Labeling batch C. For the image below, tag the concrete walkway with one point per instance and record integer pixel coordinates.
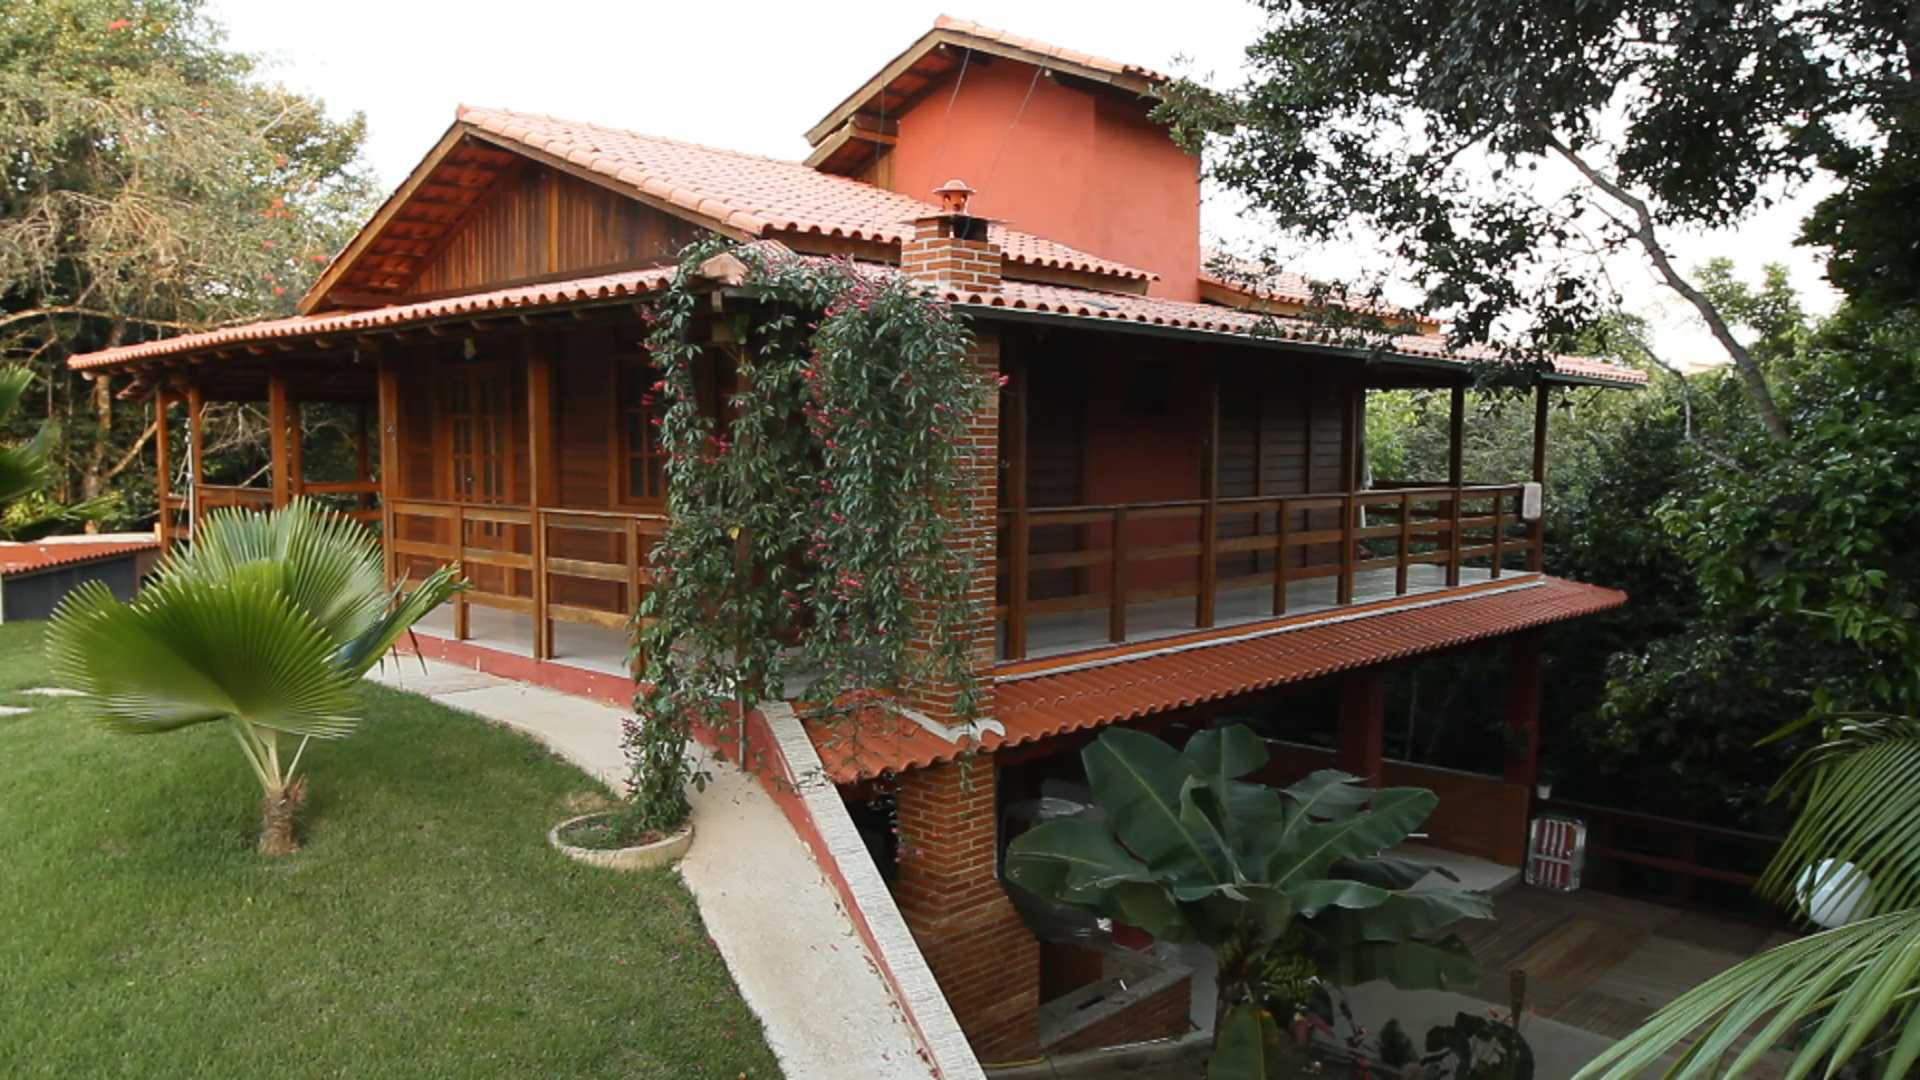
(790, 948)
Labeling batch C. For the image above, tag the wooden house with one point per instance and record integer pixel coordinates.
(1182, 525)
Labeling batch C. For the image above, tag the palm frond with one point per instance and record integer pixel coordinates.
(191, 650)
(360, 654)
(328, 564)
(1859, 791)
(1826, 994)
(23, 468)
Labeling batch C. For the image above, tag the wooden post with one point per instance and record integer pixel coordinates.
(388, 405)
(1363, 724)
(1537, 528)
(162, 466)
(1020, 530)
(1454, 540)
(1526, 668)
(1500, 498)
(1457, 438)
(277, 437)
(1117, 574)
(541, 477)
(363, 457)
(296, 449)
(196, 455)
(1210, 513)
(1343, 592)
(1406, 545)
(1280, 559)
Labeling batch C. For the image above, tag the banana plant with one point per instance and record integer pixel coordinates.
(1181, 845)
(265, 624)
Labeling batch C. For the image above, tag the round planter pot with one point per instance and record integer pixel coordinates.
(662, 852)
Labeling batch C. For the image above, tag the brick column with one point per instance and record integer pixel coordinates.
(979, 534)
(951, 253)
(980, 952)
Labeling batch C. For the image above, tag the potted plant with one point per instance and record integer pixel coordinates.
(653, 825)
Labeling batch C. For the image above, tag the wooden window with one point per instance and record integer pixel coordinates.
(643, 461)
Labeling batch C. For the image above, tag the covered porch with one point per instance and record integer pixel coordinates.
(1151, 488)
(520, 448)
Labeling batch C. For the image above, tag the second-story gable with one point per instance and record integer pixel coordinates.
(1054, 142)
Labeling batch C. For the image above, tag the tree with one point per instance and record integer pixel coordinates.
(1181, 846)
(150, 182)
(265, 624)
(1847, 994)
(1499, 149)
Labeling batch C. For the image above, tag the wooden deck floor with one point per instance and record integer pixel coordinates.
(1603, 963)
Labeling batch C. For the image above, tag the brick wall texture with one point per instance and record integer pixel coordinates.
(980, 952)
(1164, 1015)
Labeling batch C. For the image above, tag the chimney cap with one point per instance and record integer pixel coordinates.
(954, 195)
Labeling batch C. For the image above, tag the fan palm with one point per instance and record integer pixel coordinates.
(1850, 994)
(23, 468)
(264, 624)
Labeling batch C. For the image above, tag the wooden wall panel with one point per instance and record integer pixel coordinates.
(537, 222)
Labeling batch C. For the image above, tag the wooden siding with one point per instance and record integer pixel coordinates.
(537, 222)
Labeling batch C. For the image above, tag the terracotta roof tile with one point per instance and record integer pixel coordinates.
(1070, 56)
(578, 290)
(1050, 703)
(22, 558)
(1089, 303)
(757, 194)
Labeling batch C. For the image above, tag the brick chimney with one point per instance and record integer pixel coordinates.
(949, 250)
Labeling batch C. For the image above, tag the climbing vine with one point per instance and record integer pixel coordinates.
(812, 531)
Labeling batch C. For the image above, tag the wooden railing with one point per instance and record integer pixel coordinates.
(554, 565)
(1685, 851)
(1299, 537)
(354, 498)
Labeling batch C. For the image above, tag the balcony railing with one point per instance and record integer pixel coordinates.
(586, 567)
(1134, 566)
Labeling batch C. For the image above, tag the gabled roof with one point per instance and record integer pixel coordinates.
(738, 194)
(1084, 697)
(938, 52)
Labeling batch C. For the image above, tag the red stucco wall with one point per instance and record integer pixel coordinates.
(1087, 169)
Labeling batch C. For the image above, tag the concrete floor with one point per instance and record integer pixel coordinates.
(775, 919)
(589, 647)
(1052, 635)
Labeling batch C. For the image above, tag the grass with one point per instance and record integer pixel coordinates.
(425, 930)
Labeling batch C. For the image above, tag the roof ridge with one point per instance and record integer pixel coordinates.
(633, 133)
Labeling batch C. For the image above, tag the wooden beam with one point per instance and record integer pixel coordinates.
(163, 464)
(277, 437)
(542, 482)
(362, 454)
(374, 227)
(1540, 434)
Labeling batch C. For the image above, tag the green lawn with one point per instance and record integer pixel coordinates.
(425, 930)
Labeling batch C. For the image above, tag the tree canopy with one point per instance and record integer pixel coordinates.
(1499, 149)
(153, 182)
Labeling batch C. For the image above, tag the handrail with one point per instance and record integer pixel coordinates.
(528, 533)
(1417, 525)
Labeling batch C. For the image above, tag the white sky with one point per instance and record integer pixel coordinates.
(752, 75)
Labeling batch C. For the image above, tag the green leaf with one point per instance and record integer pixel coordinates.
(1073, 859)
(1138, 781)
(1310, 848)
(1227, 753)
(1247, 1046)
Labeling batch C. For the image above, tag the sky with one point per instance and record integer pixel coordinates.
(752, 75)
